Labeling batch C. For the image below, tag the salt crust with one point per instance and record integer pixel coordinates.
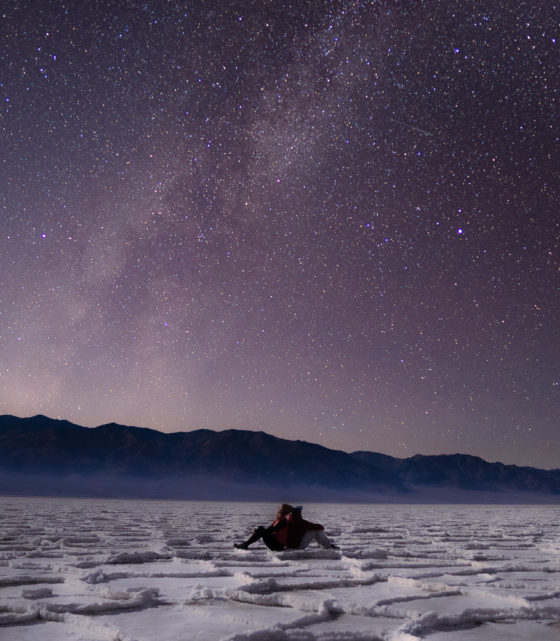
(110, 570)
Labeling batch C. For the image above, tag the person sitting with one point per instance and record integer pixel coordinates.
(289, 531)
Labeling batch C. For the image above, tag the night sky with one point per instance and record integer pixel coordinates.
(332, 221)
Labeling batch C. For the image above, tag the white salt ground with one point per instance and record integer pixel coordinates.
(110, 570)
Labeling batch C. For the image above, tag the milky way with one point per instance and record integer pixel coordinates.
(334, 221)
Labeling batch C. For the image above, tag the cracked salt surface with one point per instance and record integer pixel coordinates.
(112, 570)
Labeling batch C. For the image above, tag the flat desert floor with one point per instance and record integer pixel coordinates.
(112, 570)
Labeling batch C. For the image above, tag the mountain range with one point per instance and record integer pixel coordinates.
(44, 456)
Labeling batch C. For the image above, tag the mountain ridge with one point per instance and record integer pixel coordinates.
(55, 456)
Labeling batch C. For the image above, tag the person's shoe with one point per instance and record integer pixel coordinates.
(334, 547)
(241, 546)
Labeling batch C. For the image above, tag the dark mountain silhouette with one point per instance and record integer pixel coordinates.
(39, 455)
(464, 472)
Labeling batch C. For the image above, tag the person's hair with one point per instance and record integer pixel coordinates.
(284, 509)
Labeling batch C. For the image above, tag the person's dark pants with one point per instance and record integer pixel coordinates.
(268, 538)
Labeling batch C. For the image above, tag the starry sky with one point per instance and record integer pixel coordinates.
(333, 221)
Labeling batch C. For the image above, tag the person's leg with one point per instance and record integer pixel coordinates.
(258, 534)
(306, 539)
(271, 542)
(315, 535)
(323, 539)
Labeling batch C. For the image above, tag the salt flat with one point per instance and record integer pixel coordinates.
(111, 570)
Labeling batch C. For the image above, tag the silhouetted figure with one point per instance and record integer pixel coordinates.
(290, 531)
